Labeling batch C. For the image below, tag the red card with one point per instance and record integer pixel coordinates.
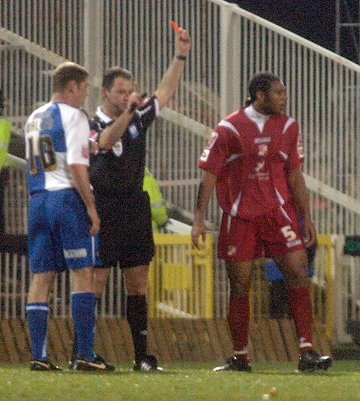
(175, 26)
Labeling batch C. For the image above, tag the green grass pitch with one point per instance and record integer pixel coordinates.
(183, 382)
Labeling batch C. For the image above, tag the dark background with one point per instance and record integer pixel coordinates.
(314, 20)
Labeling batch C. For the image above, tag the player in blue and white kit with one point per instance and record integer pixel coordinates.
(62, 216)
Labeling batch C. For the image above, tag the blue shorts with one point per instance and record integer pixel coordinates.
(59, 236)
(273, 273)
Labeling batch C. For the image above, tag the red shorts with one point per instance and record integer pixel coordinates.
(272, 234)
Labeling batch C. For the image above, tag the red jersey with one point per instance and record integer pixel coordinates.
(251, 162)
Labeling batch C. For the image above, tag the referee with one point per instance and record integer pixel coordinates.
(117, 173)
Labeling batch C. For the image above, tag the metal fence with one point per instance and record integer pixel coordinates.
(180, 283)
(230, 45)
(180, 286)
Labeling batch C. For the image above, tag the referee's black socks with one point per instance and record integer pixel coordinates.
(136, 313)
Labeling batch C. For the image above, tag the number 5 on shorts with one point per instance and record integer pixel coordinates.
(288, 233)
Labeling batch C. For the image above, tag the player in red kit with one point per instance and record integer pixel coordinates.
(254, 158)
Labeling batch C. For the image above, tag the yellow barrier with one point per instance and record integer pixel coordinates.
(181, 282)
(181, 278)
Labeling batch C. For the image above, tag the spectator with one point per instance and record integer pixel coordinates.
(159, 217)
(5, 134)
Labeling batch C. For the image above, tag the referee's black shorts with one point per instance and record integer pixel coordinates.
(125, 231)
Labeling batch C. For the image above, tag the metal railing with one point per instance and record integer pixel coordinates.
(181, 285)
(230, 46)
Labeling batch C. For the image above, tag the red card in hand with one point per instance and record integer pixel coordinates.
(175, 26)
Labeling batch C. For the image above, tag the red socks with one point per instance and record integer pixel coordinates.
(238, 320)
(301, 309)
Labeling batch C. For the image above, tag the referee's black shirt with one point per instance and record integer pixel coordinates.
(120, 171)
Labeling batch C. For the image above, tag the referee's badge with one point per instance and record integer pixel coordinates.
(118, 148)
(134, 133)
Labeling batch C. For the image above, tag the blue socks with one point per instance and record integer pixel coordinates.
(83, 312)
(37, 314)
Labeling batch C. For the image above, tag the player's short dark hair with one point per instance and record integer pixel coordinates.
(66, 72)
(260, 82)
(115, 72)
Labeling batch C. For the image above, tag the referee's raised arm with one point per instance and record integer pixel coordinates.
(171, 78)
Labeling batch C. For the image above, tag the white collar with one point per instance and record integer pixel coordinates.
(103, 116)
(252, 113)
(258, 118)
